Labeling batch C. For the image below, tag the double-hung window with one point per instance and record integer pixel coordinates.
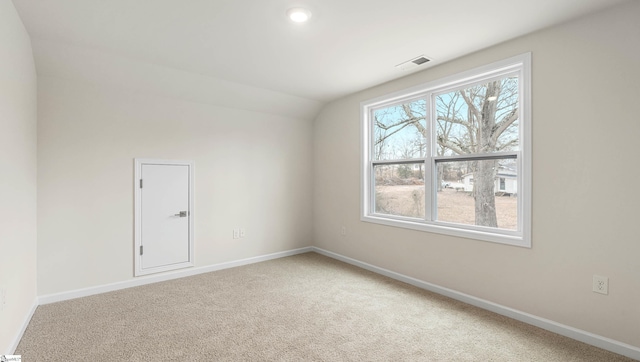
(453, 156)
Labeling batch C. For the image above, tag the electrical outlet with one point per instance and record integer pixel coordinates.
(343, 230)
(600, 284)
(242, 233)
(236, 233)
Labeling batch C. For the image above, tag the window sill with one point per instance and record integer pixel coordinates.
(507, 237)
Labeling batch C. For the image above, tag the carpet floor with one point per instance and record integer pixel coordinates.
(301, 308)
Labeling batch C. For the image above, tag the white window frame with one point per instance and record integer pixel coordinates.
(520, 65)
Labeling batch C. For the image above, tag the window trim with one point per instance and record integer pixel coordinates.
(521, 65)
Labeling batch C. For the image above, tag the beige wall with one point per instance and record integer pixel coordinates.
(251, 170)
(17, 175)
(586, 85)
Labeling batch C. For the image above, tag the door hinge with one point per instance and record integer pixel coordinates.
(141, 251)
(140, 183)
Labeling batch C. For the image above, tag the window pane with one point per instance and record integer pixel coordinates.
(399, 189)
(400, 131)
(480, 193)
(478, 119)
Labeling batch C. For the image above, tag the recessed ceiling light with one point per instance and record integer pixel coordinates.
(298, 15)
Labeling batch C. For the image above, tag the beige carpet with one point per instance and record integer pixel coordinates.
(301, 308)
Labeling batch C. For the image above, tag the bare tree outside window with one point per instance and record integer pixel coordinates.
(481, 119)
(476, 120)
(453, 156)
(399, 183)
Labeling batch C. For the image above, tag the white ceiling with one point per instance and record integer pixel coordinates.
(348, 45)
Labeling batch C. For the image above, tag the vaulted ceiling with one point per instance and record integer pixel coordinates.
(226, 50)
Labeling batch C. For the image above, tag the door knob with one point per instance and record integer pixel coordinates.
(182, 214)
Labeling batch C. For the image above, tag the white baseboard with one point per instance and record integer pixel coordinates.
(138, 281)
(561, 329)
(25, 323)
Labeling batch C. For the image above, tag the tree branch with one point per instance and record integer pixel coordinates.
(470, 104)
(507, 121)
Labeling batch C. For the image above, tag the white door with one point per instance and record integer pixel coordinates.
(163, 215)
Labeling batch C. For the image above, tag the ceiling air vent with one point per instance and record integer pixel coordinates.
(413, 63)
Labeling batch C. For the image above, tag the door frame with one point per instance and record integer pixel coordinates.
(138, 162)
